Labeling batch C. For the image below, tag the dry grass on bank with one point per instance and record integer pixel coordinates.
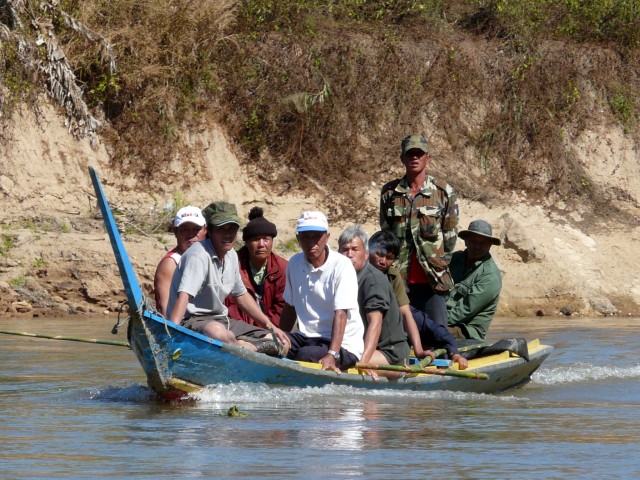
(310, 88)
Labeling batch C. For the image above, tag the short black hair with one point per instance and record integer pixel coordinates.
(384, 241)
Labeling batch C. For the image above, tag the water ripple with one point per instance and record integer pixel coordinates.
(131, 393)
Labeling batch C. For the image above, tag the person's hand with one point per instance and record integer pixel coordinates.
(372, 374)
(328, 362)
(420, 354)
(281, 337)
(463, 363)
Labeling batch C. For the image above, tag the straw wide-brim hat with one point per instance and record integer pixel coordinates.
(482, 228)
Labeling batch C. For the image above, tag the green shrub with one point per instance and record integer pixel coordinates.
(291, 245)
(623, 106)
(591, 20)
(19, 282)
(7, 242)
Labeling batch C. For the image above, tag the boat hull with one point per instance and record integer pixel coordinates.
(178, 361)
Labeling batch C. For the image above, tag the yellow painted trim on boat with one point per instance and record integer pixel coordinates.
(490, 360)
(533, 346)
(313, 365)
(184, 386)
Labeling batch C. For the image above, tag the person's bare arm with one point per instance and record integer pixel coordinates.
(162, 284)
(180, 307)
(371, 338)
(372, 335)
(328, 362)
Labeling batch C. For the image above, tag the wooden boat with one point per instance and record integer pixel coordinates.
(178, 361)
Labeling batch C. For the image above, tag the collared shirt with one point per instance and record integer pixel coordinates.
(205, 277)
(375, 294)
(399, 288)
(258, 275)
(474, 299)
(316, 293)
(426, 225)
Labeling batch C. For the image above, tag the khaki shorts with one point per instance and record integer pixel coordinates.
(237, 327)
(456, 332)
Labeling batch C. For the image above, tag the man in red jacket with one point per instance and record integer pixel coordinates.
(262, 271)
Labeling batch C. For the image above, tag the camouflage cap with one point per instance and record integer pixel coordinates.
(218, 214)
(414, 141)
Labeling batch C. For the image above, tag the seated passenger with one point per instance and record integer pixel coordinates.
(322, 293)
(207, 273)
(474, 298)
(262, 271)
(385, 340)
(188, 227)
(424, 333)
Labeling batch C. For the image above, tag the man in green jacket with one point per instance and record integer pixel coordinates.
(474, 299)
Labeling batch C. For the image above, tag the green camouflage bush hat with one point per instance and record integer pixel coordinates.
(218, 214)
(414, 141)
(482, 228)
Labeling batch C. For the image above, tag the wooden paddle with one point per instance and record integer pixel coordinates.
(71, 339)
(421, 367)
(449, 372)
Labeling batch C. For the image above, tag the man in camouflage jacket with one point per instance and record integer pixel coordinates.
(423, 213)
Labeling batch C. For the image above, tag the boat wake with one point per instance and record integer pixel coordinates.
(273, 395)
(582, 372)
(263, 394)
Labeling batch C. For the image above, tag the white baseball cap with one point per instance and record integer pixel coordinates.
(189, 214)
(312, 221)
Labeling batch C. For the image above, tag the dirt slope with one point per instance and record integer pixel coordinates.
(55, 257)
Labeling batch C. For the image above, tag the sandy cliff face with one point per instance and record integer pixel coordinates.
(55, 257)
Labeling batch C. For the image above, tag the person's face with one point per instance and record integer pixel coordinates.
(477, 246)
(355, 251)
(223, 237)
(313, 244)
(381, 260)
(187, 234)
(415, 160)
(259, 248)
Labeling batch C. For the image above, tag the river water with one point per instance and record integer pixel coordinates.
(83, 410)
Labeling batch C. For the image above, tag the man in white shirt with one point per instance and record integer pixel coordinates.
(321, 293)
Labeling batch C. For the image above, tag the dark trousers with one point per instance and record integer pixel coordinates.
(312, 349)
(432, 334)
(426, 299)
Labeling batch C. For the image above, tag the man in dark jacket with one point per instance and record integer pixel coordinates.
(262, 271)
